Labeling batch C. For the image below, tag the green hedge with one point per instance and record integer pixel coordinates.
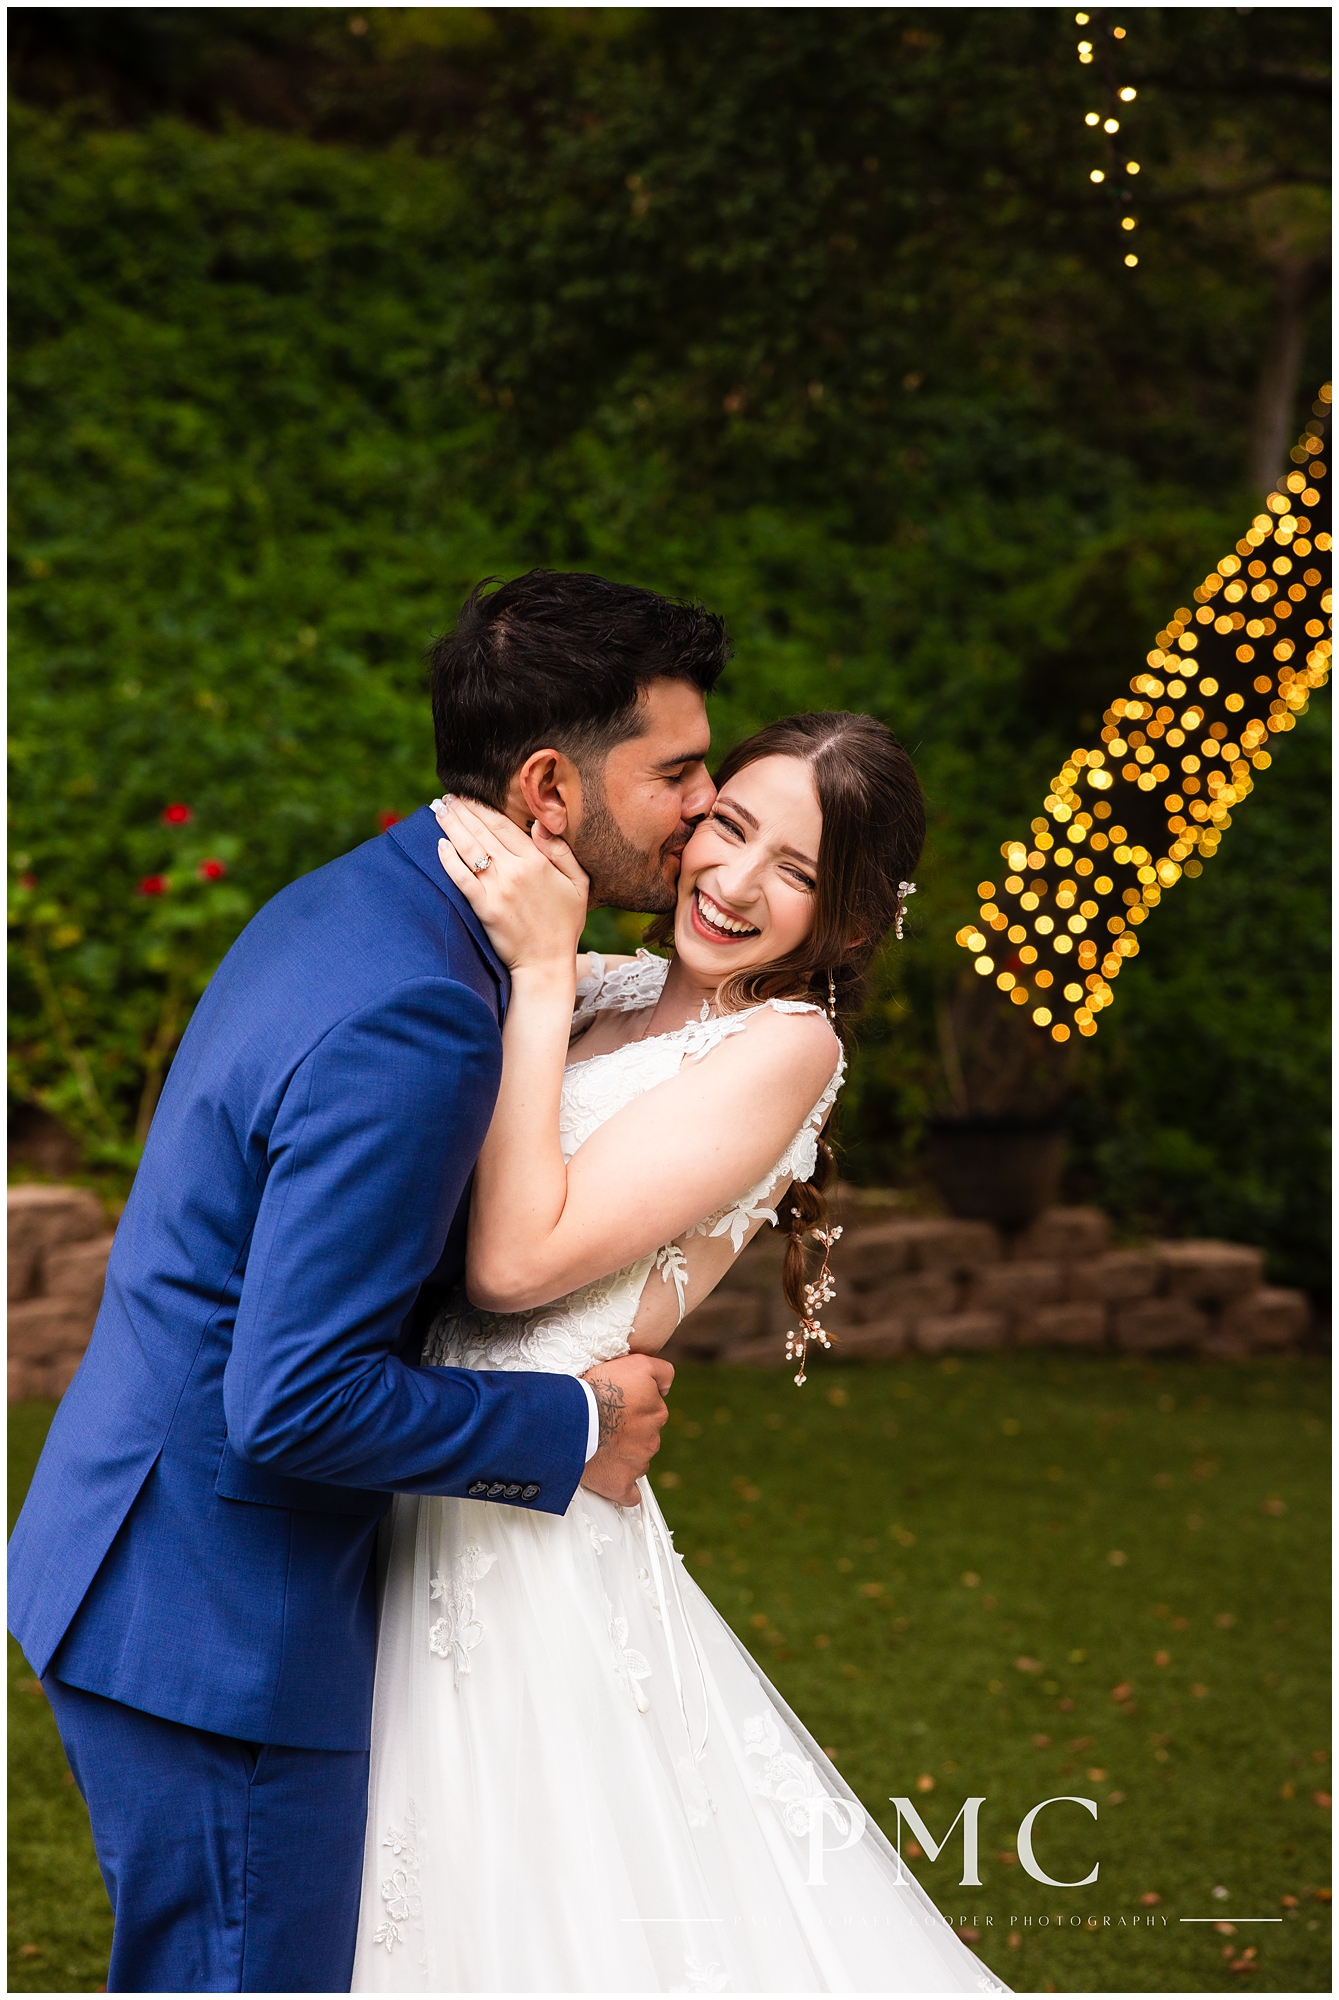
(278, 404)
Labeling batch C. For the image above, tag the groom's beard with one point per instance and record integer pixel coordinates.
(623, 876)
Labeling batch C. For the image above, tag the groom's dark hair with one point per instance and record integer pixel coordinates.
(557, 658)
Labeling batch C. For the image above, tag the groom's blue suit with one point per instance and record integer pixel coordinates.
(194, 1566)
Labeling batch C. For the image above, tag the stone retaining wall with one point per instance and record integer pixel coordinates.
(58, 1248)
(923, 1285)
(932, 1286)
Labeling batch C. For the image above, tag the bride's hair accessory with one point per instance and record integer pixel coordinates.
(817, 1294)
(481, 862)
(832, 997)
(904, 889)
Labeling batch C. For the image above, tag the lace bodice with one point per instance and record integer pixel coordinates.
(593, 1323)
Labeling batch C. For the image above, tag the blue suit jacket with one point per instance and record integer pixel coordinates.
(199, 1538)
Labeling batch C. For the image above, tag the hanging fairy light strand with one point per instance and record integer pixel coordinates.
(1118, 175)
(1127, 819)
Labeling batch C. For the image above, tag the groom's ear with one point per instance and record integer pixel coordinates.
(547, 788)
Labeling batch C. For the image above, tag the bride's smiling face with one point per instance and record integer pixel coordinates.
(746, 888)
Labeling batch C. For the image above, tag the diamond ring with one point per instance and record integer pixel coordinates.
(484, 861)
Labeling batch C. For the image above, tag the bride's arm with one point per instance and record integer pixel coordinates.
(539, 1227)
(677, 1153)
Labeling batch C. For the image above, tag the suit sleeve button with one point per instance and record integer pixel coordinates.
(530, 1492)
(497, 1489)
(513, 1490)
(478, 1490)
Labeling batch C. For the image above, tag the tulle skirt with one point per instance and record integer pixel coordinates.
(581, 1782)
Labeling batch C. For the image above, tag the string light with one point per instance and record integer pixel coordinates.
(1124, 94)
(1125, 820)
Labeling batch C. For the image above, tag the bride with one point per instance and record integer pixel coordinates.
(580, 1780)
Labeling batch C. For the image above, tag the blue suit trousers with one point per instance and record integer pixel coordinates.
(232, 1867)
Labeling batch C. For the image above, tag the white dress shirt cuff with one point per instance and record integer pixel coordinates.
(593, 1431)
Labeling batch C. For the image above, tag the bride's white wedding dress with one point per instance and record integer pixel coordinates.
(581, 1782)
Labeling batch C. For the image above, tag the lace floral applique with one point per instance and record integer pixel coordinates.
(458, 1631)
(400, 1890)
(736, 1220)
(622, 989)
(631, 1668)
(786, 1777)
(644, 1576)
(596, 1538)
(711, 1978)
(698, 1804)
(672, 1263)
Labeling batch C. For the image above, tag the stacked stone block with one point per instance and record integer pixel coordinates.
(58, 1248)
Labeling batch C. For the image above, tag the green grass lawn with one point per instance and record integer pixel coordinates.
(60, 1922)
(950, 1569)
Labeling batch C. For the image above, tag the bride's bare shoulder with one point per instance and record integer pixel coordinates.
(800, 1042)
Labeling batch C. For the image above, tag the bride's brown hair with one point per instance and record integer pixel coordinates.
(873, 832)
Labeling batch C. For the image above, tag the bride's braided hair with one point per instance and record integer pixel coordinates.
(873, 832)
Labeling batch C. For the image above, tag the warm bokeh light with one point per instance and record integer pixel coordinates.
(1094, 865)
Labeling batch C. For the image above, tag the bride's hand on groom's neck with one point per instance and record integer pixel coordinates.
(527, 889)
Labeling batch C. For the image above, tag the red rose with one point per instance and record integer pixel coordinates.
(387, 819)
(177, 815)
(154, 885)
(211, 871)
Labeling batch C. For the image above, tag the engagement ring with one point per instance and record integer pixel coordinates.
(484, 861)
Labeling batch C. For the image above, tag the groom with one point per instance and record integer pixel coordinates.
(193, 1574)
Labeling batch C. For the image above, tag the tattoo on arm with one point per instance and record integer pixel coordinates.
(610, 1403)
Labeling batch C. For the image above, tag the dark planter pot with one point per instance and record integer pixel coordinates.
(1001, 1170)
